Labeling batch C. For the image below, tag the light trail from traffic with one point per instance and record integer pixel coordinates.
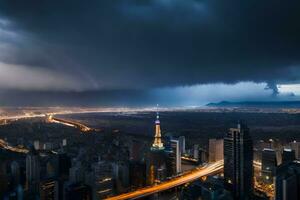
(185, 178)
(70, 123)
(5, 145)
(189, 159)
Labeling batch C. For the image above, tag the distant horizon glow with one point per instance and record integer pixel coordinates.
(292, 89)
(199, 95)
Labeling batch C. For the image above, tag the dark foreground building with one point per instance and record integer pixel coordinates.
(238, 158)
(287, 181)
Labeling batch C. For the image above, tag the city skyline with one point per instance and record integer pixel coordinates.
(149, 100)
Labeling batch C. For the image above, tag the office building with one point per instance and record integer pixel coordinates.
(203, 155)
(269, 163)
(175, 145)
(295, 146)
(215, 150)
(36, 144)
(196, 151)
(238, 159)
(156, 160)
(288, 155)
(104, 179)
(182, 144)
(64, 142)
(287, 181)
(33, 170)
(76, 172)
(15, 173)
(137, 174)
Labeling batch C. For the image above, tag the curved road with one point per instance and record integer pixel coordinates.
(185, 178)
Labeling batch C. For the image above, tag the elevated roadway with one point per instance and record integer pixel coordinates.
(181, 180)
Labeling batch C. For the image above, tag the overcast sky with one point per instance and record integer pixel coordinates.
(133, 52)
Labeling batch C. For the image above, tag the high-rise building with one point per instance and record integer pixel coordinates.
(15, 173)
(196, 151)
(287, 181)
(288, 155)
(137, 174)
(103, 179)
(182, 144)
(156, 160)
(269, 163)
(203, 155)
(36, 144)
(64, 142)
(238, 159)
(216, 150)
(170, 158)
(177, 154)
(157, 144)
(296, 147)
(33, 170)
(76, 172)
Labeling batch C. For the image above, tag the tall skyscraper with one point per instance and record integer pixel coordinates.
(156, 160)
(269, 163)
(196, 151)
(288, 155)
(238, 158)
(15, 173)
(36, 144)
(137, 174)
(216, 147)
(157, 144)
(182, 144)
(33, 170)
(287, 181)
(296, 147)
(103, 179)
(177, 154)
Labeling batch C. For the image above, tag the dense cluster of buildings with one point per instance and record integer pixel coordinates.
(252, 170)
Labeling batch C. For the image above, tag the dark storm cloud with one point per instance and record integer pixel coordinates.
(132, 44)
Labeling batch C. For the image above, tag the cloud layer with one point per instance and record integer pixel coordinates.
(17, 77)
(141, 45)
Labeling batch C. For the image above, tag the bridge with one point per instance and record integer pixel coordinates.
(82, 127)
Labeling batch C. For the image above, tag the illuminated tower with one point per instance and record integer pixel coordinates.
(157, 144)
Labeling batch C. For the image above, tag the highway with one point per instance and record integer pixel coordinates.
(4, 145)
(50, 118)
(82, 127)
(184, 158)
(183, 179)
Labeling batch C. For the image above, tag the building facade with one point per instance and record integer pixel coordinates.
(238, 159)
